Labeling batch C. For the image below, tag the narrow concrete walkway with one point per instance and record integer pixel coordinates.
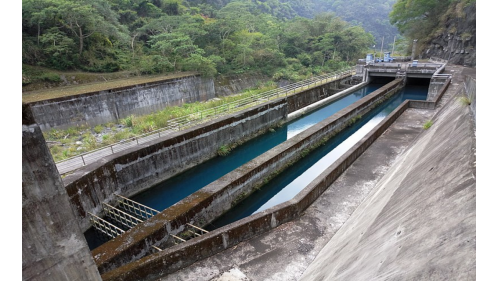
(286, 252)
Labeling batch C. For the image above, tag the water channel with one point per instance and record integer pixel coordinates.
(289, 183)
(173, 190)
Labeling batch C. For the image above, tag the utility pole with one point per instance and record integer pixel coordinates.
(414, 49)
(382, 47)
(393, 44)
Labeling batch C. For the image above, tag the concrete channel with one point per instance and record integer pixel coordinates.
(213, 199)
(186, 253)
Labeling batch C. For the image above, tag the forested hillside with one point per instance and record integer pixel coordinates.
(444, 28)
(161, 36)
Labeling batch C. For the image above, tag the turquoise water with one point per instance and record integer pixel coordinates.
(178, 187)
(173, 190)
(288, 184)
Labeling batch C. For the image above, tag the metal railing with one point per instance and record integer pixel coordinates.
(135, 208)
(183, 122)
(105, 227)
(120, 216)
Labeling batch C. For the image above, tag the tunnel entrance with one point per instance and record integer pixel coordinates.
(418, 81)
(380, 79)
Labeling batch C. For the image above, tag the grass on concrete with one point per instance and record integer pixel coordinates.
(41, 84)
(427, 125)
(76, 140)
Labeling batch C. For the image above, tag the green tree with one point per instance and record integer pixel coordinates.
(176, 46)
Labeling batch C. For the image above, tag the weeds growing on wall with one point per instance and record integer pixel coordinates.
(223, 150)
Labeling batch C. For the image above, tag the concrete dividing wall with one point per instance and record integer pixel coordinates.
(213, 200)
(111, 105)
(136, 169)
(131, 171)
(179, 256)
(299, 101)
(53, 246)
(437, 97)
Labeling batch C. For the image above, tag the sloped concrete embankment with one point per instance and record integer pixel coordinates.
(418, 223)
(218, 197)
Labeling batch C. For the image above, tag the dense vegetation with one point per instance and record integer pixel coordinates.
(426, 19)
(159, 36)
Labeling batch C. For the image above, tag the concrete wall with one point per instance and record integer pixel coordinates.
(419, 221)
(179, 256)
(111, 105)
(470, 92)
(296, 102)
(53, 245)
(230, 85)
(218, 197)
(136, 169)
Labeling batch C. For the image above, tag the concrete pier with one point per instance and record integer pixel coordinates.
(53, 246)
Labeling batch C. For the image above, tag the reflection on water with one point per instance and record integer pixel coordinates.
(173, 190)
(177, 188)
(288, 184)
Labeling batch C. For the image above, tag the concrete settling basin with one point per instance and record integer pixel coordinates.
(283, 161)
(171, 191)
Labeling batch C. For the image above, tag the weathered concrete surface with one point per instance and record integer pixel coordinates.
(285, 252)
(418, 223)
(53, 246)
(232, 84)
(111, 105)
(133, 170)
(213, 200)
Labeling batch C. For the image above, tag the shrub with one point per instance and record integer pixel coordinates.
(223, 150)
(50, 77)
(129, 121)
(427, 125)
(465, 101)
(98, 129)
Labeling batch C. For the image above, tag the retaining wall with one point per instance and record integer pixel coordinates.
(111, 105)
(218, 197)
(179, 256)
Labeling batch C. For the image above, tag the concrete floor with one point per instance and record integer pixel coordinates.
(405, 210)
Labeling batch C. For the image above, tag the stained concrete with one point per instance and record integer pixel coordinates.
(418, 223)
(211, 201)
(430, 213)
(112, 105)
(53, 246)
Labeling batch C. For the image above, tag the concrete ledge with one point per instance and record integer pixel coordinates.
(215, 199)
(294, 115)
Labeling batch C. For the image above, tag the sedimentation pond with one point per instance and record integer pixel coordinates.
(173, 190)
(289, 183)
